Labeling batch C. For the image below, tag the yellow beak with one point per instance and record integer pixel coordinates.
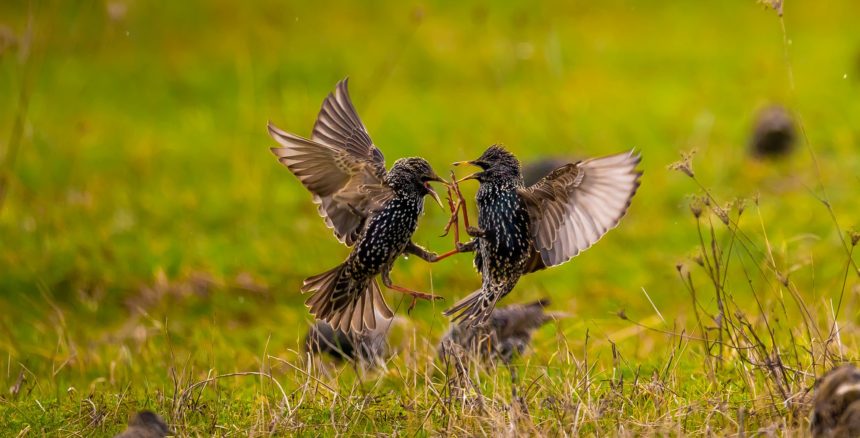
(460, 163)
(433, 192)
(472, 176)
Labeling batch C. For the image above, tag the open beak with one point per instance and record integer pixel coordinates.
(472, 176)
(433, 192)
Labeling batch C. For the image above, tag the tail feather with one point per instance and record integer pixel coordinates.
(344, 304)
(474, 309)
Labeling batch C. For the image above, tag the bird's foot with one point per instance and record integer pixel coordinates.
(461, 201)
(416, 295)
(454, 208)
(453, 222)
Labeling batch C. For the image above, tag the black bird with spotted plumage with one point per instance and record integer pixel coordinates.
(373, 210)
(525, 229)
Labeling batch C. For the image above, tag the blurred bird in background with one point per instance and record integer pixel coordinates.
(369, 349)
(146, 424)
(774, 133)
(836, 404)
(506, 336)
(534, 170)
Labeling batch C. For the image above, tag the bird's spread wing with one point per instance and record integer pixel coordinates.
(339, 165)
(339, 126)
(574, 206)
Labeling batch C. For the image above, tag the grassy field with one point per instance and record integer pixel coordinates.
(150, 242)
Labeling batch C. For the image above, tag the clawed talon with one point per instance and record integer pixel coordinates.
(461, 203)
(455, 211)
(455, 207)
(424, 296)
(416, 295)
(421, 295)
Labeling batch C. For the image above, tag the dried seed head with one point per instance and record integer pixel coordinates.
(696, 206)
(855, 237)
(683, 270)
(685, 164)
(740, 204)
(699, 260)
(621, 314)
(722, 213)
(776, 5)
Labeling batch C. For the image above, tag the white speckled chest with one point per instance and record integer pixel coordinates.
(504, 219)
(386, 235)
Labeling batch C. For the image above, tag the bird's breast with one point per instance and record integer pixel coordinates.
(386, 234)
(505, 221)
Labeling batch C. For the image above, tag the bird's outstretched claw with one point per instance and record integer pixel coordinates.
(416, 295)
(461, 201)
(456, 207)
(454, 220)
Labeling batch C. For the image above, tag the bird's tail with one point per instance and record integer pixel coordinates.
(474, 309)
(345, 304)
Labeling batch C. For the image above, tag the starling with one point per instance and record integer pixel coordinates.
(774, 133)
(373, 211)
(508, 333)
(525, 229)
(836, 403)
(146, 424)
(367, 348)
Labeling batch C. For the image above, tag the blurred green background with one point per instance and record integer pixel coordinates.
(143, 184)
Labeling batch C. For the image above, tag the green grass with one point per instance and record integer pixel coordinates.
(149, 240)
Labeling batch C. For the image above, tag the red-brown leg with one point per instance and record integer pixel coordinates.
(461, 202)
(386, 280)
(454, 221)
(445, 255)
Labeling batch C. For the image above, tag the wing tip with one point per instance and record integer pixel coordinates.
(344, 82)
(271, 128)
(342, 89)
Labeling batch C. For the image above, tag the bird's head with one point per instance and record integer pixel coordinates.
(414, 174)
(497, 164)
